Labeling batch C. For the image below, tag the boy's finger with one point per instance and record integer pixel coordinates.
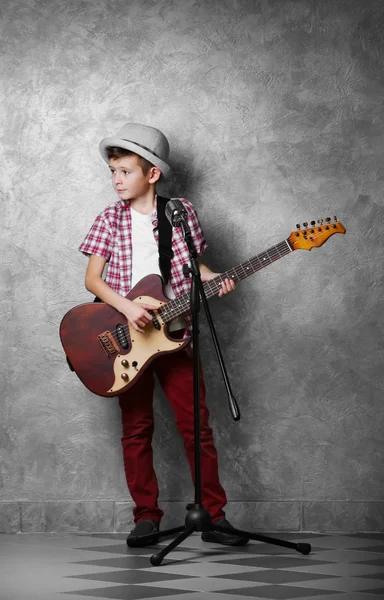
(227, 286)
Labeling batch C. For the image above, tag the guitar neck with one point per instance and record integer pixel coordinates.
(181, 305)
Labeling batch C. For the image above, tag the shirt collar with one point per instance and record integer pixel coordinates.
(125, 204)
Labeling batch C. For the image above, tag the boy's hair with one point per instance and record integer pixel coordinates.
(116, 152)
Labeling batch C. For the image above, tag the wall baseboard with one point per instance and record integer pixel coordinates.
(115, 516)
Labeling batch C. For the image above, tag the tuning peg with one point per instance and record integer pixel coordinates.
(305, 224)
(328, 219)
(335, 218)
(297, 225)
(313, 223)
(320, 221)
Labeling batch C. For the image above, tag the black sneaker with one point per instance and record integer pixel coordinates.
(228, 539)
(143, 528)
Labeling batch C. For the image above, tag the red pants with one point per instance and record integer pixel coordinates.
(175, 373)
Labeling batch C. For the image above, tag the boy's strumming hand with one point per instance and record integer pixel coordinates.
(137, 314)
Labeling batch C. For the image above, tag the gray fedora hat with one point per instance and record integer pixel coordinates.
(148, 142)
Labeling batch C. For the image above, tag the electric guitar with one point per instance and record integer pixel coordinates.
(109, 356)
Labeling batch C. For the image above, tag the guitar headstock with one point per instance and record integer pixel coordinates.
(314, 235)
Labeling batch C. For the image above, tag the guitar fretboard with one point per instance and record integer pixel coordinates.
(179, 306)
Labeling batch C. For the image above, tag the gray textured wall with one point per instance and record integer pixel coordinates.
(274, 112)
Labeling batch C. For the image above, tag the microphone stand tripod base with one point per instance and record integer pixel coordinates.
(198, 519)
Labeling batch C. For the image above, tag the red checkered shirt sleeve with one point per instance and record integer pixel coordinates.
(99, 239)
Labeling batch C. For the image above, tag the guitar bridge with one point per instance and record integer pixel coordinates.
(108, 343)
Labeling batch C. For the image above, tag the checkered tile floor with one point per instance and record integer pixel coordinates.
(86, 567)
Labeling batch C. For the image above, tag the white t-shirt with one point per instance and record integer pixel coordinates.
(145, 257)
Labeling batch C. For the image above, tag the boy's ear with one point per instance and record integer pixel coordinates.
(154, 174)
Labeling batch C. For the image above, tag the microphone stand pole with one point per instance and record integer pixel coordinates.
(197, 518)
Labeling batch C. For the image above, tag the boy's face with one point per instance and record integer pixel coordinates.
(128, 179)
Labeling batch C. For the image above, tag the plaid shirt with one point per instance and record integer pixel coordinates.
(111, 237)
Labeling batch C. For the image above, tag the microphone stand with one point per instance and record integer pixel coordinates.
(197, 518)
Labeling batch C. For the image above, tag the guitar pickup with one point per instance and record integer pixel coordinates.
(108, 343)
(155, 321)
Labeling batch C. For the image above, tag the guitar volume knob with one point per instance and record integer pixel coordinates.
(124, 376)
(125, 363)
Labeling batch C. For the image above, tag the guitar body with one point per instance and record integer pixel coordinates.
(106, 353)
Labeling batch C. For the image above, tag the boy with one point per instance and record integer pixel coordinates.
(126, 235)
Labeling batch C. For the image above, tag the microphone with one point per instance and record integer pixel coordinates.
(176, 212)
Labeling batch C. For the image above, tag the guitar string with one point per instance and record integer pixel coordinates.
(172, 308)
(182, 303)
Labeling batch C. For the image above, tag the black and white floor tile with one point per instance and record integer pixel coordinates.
(94, 566)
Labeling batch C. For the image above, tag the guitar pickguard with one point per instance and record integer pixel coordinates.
(144, 346)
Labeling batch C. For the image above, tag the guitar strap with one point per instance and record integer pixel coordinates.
(165, 241)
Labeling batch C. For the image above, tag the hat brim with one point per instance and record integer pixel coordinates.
(120, 143)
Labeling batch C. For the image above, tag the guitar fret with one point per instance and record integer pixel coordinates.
(242, 268)
(209, 286)
(247, 268)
